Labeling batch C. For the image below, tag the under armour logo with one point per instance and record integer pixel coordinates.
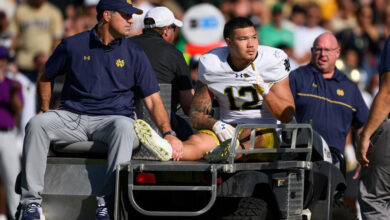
(120, 63)
(239, 75)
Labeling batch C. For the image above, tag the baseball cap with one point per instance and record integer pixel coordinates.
(89, 3)
(3, 53)
(162, 17)
(124, 6)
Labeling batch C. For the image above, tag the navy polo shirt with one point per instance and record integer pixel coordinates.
(334, 105)
(100, 79)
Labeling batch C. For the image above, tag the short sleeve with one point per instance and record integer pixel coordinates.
(279, 70)
(56, 63)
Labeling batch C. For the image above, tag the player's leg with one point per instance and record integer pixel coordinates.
(265, 138)
(197, 145)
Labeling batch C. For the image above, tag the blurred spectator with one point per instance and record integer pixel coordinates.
(8, 6)
(39, 61)
(364, 38)
(11, 102)
(138, 24)
(29, 95)
(386, 24)
(251, 9)
(379, 10)
(345, 17)
(297, 18)
(304, 35)
(36, 27)
(88, 18)
(373, 85)
(350, 64)
(5, 36)
(273, 34)
(70, 27)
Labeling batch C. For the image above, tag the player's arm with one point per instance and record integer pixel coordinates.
(186, 99)
(201, 106)
(379, 111)
(44, 92)
(280, 101)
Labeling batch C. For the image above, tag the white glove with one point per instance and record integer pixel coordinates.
(223, 131)
(259, 84)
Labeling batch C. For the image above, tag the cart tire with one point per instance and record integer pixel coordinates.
(248, 209)
(342, 211)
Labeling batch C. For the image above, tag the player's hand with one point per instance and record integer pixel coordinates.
(259, 84)
(177, 147)
(223, 131)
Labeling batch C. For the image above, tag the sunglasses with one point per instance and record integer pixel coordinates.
(173, 27)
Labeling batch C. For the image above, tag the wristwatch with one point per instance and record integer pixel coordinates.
(171, 132)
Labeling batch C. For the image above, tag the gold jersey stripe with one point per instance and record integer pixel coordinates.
(328, 100)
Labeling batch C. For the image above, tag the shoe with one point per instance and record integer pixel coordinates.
(103, 213)
(219, 153)
(32, 211)
(150, 139)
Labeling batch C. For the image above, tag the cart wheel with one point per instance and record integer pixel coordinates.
(249, 209)
(342, 211)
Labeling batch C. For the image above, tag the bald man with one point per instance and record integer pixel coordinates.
(325, 95)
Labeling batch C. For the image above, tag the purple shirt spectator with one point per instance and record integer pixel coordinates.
(6, 117)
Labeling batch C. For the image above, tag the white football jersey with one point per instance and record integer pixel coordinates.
(239, 102)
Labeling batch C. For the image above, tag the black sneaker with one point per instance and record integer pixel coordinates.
(103, 213)
(32, 211)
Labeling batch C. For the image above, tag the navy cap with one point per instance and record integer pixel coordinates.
(124, 6)
(3, 53)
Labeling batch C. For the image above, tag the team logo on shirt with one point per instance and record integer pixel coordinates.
(340, 92)
(87, 57)
(128, 1)
(120, 63)
(314, 85)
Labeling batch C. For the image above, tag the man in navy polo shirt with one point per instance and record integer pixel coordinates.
(103, 71)
(325, 95)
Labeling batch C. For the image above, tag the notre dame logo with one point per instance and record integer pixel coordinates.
(120, 63)
(128, 1)
(340, 92)
(87, 57)
(287, 64)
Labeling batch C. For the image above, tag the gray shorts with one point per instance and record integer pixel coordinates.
(374, 183)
